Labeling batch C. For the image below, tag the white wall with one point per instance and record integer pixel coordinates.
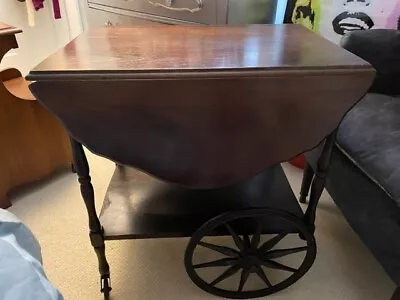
(48, 34)
(74, 10)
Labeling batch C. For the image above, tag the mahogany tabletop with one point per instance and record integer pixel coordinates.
(8, 29)
(139, 50)
(201, 106)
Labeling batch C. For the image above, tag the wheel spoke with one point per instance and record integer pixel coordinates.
(284, 252)
(255, 240)
(271, 242)
(275, 265)
(228, 273)
(221, 249)
(243, 277)
(246, 241)
(260, 272)
(224, 262)
(238, 241)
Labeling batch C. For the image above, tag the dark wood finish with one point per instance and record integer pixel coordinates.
(7, 42)
(396, 294)
(318, 183)
(139, 206)
(9, 74)
(175, 50)
(207, 133)
(203, 107)
(96, 232)
(308, 175)
(250, 256)
(201, 128)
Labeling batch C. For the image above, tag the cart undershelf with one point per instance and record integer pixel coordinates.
(140, 206)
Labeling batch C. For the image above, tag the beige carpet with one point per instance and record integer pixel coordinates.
(153, 269)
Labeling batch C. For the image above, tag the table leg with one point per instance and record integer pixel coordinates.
(318, 182)
(308, 176)
(96, 231)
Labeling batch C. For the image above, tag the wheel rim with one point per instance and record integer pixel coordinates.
(249, 255)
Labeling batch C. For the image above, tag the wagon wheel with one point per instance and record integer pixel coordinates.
(249, 257)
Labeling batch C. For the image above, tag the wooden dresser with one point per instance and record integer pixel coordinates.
(33, 144)
(128, 12)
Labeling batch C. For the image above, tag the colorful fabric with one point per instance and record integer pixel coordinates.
(333, 18)
(39, 4)
(307, 13)
(56, 9)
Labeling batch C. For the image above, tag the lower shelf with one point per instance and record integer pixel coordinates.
(140, 206)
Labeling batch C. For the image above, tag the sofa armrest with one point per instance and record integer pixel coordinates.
(381, 48)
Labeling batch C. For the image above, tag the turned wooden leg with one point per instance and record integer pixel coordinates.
(318, 182)
(4, 202)
(96, 231)
(396, 294)
(308, 176)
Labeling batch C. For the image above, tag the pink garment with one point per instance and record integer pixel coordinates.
(39, 4)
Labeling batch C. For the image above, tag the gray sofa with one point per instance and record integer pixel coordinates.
(364, 175)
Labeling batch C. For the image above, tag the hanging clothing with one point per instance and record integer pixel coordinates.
(39, 4)
(56, 9)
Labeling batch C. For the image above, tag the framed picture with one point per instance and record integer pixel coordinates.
(333, 18)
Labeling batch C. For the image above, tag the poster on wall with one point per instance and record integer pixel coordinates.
(334, 18)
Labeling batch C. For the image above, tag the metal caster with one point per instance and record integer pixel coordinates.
(105, 284)
(249, 256)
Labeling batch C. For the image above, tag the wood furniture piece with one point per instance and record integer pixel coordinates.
(129, 12)
(33, 142)
(209, 112)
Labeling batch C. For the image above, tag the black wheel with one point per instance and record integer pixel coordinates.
(249, 255)
(105, 283)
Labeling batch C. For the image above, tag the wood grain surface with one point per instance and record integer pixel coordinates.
(146, 49)
(33, 142)
(137, 205)
(206, 129)
(4, 26)
(6, 29)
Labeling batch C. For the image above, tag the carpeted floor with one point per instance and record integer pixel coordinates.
(153, 269)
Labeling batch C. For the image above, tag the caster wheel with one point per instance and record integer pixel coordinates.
(106, 287)
(253, 266)
(303, 199)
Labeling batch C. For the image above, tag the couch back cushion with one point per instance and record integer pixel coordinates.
(381, 48)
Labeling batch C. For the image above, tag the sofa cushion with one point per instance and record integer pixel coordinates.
(370, 136)
(381, 48)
